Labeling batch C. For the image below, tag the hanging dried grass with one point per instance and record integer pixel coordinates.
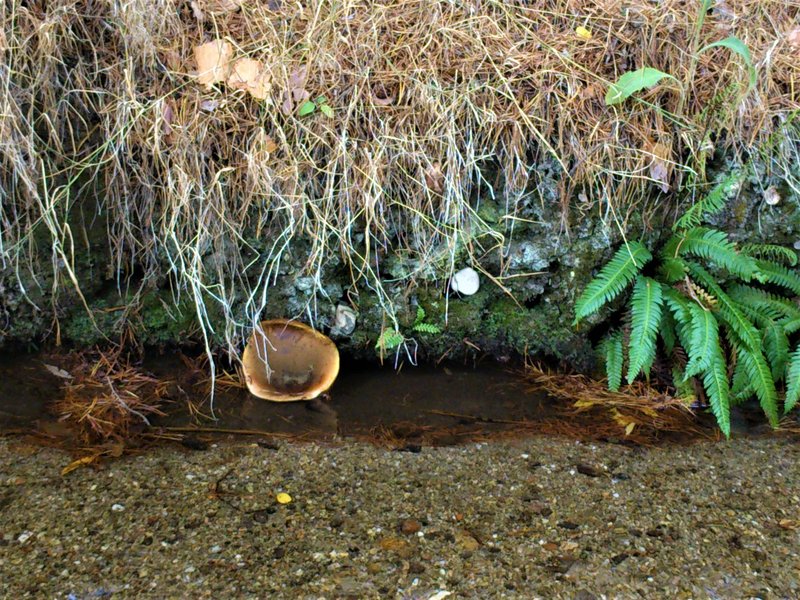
(423, 94)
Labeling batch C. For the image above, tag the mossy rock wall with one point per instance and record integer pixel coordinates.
(547, 260)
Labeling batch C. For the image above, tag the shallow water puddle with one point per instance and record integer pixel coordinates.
(425, 404)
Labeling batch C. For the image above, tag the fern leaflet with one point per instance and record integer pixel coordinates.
(761, 379)
(612, 279)
(713, 202)
(776, 347)
(715, 246)
(704, 338)
(792, 381)
(771, 252)
(612, 349)
(646, 315)
(770, 305)
(715, 380)
(771, 272)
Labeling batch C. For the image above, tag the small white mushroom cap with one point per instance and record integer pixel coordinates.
(771, 196)
(466, 282)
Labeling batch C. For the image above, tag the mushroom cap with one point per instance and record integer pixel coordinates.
(300, 364)
(466, 282)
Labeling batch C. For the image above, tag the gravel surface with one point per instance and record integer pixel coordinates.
(538, 518)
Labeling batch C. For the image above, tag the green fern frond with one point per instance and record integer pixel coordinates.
(704, 339)
(427, 328)
(758, 372)
(776, 348)
(773, 252)
(715, 381)
(646, 315)
(612, 279)
(790, 326)
(715, 246)
(776, 274)
(741, 388)
(713, 202)
(727, 309)
(672, 269)
(389, 340)
(770, 305)
(679, 307)
(792, 381)
(611, 348)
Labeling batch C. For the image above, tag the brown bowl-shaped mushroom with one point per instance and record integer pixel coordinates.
(286, 360)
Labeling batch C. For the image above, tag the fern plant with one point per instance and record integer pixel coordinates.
(727, 309)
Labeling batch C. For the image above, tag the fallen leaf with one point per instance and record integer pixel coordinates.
(789, 524)
(583, 33)
(434, 178)
(75, 464)
(661, 165)
(209, 105)
(213, 61)
(248, 74)
(283, 498)
(58, 372)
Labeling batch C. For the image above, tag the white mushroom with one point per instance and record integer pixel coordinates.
(466, 282)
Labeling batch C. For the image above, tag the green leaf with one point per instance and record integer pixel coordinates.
(612, 349)
(612, 279)
(792, 381)
(761, 379)
(646, 316)
(307, 108)
(326, 110)
(320, 100)
(427, 328)
(736, 45)
(715, 246)
(667, 330)
(633, 81)
(741, 389)
(704, 339)
(715, 381)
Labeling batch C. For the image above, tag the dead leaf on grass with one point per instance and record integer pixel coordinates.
(213, 61)
(434, 178)
(661, 165)
(248, 74)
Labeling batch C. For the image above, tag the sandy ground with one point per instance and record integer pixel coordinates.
(538, 518)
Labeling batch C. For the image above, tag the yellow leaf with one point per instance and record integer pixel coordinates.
(583, 33)
(283, 498)
(213, 61)
(86, 460)
(629, 428)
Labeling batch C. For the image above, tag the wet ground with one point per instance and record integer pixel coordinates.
(539, 518)
(425, 511)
